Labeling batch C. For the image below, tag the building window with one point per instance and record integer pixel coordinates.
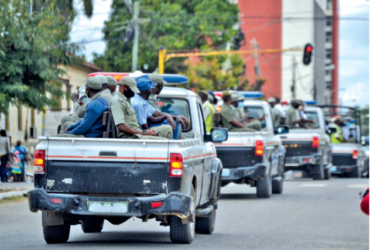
(20, 116)
(328, 37)
(68, 93)
(7, 123)
(328, 54)
(328, 22)
(328, 85)
(327, 72)
(329, 5)
(33, 118)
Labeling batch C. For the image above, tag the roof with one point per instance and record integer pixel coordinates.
(91, 66)
(170, 91)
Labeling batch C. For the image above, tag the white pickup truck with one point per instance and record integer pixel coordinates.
(308, 149)
(88, 180)
(255, 158)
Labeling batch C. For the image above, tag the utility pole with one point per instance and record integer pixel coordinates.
(135, 48)
(257, 68)
(293, 88)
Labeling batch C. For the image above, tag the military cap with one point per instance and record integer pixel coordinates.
(294, 101)
(210, 98)
(156, 78)
(203, 94)
(103, 79)
(226, 93)
(111, 80)
(235, 97)
(300, 102)
(241, 98)
(130, 82)
(143, 82)
(272, 99)
(94, 83)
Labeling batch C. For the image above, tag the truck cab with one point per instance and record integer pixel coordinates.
(89, 180)
(254, 158)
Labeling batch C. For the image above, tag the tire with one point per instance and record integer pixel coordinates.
(264, 187)
(277, 186)
(320, 175)
(183, 233)
(355, 174)
(56, 234)
(327, 174)
(206, 225)
(92, 225)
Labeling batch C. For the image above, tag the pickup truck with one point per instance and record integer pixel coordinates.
(349, 157)
(255, 158)
(88, 180)
(309, 149)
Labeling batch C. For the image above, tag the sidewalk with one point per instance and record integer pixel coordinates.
(14, 189)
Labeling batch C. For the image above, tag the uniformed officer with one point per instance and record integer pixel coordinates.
(125, 118)
(105, 92)
(112, 84)
(229, 120)
(337, 137)
(157, 87)
(275, 112)
(234, 107)
(208, 110)
(292, 117)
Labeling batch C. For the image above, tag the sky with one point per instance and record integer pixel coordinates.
(353, 45)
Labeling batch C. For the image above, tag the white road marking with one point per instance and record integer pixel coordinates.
(362, 186)
(313, 185)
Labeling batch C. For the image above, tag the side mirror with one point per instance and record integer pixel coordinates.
(219, 134)
(282, 130)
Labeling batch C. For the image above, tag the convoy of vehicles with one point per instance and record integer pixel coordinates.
(88, 180)
(254, 158)
(177, 182)
(308, 149)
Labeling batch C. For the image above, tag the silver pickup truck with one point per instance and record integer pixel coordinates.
(88, 180)
(255, 158)
(309, 149)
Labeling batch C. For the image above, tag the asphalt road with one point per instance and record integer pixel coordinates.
(308, 215)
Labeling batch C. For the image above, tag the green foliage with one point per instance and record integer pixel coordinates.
(209, 74)
(177, 25)
(31, 48)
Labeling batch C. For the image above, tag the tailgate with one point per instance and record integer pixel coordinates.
(107, 166)
(298, 144)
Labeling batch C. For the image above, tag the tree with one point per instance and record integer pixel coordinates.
(177, 25)
(216, 73)
(66, 6)
(31, 48)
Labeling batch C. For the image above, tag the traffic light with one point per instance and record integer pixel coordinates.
(307, 54)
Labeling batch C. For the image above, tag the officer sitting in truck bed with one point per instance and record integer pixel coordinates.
(229, 120)
(125, 118)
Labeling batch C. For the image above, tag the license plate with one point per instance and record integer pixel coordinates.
(333, 169)
(108, 207)
(297, 175)
(225, 172)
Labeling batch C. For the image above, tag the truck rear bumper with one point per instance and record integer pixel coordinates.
(172, 204)
(340, 170)
(292, 162)
(234, 174)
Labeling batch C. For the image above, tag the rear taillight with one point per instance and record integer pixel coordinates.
(176, 165)
(315, 142)
(259, 148)
(39, 162)
(355, 154)
(156, 204)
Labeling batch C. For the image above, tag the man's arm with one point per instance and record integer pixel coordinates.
(237, 124)
(126, 129)
(85, 124)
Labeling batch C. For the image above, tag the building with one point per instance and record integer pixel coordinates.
(284, 24)
(24, 119)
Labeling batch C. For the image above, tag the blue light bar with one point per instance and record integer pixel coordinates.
(251, 94)
(310, 102)
(172, 78)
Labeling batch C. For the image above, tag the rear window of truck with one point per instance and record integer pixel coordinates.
(313, 117)
(174, 106)
(255, 113)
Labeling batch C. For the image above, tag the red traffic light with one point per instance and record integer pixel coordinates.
(309, 48)
(307, 54)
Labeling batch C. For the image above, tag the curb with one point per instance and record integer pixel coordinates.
(12, 194)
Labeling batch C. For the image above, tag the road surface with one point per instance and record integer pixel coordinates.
(308, 215)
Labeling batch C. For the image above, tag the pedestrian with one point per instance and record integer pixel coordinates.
(209, 110)
(21, 153)
(4, 153)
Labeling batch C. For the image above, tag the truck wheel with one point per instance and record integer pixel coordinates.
(206, 225)
(320, 174)
(183, 233)
(277, 186)
(355, 173)
(56, 234)
(264, 187)
(92, 225)
(327, 174)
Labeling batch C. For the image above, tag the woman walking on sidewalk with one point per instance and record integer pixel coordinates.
(4, 153)
(21, 152)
